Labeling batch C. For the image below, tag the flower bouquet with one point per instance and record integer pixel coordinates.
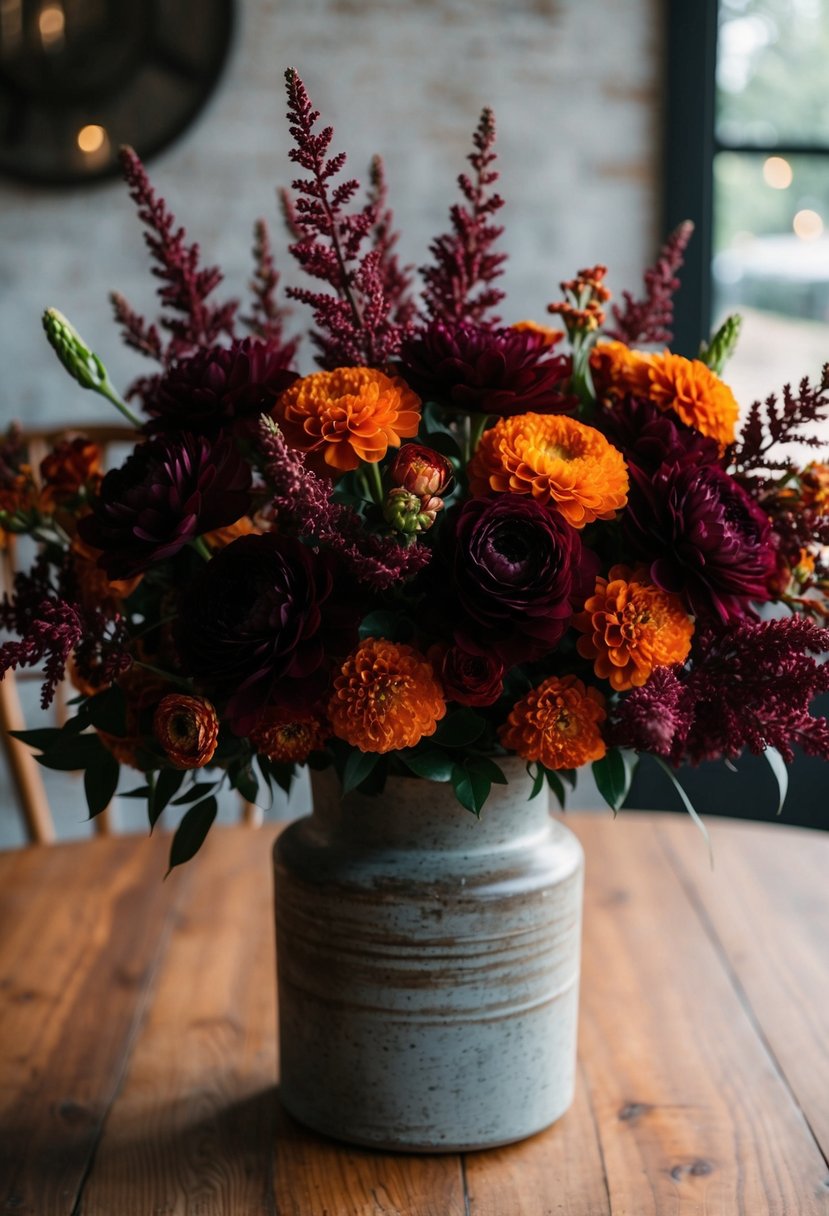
(457, 540)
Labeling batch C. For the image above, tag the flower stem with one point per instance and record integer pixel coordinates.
(200, 546)
(375, 483)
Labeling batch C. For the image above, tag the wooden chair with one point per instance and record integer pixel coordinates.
(24, 770)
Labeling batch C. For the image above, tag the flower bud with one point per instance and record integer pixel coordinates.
(409, 513)
(188, 730)
(421, 471)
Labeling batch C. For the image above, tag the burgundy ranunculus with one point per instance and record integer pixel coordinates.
(487, 371)
(470, 674)
(262, 623)
(219, 388)
(650, 437)
(703, 536)
(168, 492)
(515, 568)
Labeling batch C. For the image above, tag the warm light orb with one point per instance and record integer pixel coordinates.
(91, 138)
(808, 225)
(777, 173)
(51, 24)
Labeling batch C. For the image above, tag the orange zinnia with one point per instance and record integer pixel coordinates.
(349, 415)
(630, 627)
(288, 737)
(386, 696)
(556, 459)
(557, 723)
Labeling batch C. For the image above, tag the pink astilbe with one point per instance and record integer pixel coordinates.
(355, 324)
(649, 320)
(304, 498)
(266, 318)
(191, 321)
(464, 261)
(749, 687)
(760, 457)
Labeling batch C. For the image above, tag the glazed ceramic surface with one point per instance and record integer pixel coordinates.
(428, 965)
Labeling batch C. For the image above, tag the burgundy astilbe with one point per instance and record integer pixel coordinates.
(654, 718)
(355, 323)
(187, 316)
(397, 279)
(266, 318)
(650, 319)
(459, 284)
(760, 456)
(301, 496)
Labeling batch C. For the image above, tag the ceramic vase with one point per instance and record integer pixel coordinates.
(428, 964)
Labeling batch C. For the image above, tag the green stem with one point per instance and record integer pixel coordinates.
(200, 546)
(477, 427)
(106, 390)
(375, 483)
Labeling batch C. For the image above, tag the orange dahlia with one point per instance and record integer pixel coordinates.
(349, 415)
(551, 336)
(557, 723)
(288, 737)
(187, 728)
(695, 393)
(555, 459)
(631, 627)
(386, 696)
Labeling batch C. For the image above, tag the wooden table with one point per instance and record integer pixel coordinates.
(139, 1061)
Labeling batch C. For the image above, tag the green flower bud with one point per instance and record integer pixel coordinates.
(83, 365)
(716, 353)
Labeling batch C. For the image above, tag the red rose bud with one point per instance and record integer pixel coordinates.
(408, 513)
(421, 471)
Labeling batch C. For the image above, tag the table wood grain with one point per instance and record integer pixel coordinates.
(138, 1060)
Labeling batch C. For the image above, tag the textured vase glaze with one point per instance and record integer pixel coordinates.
(428, 965)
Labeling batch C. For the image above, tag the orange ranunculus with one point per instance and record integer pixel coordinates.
(72, 465)
(695, 393)
(286, 737)
(557, 723)
(631, 627)
(386, 696)
(187, 728)
(349, 415)
(555, 459)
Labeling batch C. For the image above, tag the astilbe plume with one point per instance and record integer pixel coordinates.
(650, 319)
(190, 320)
(301, 496)
(464, 260)
(397, 279)
(760, 458)
(355, 323)
(266, 318)
(750, 686)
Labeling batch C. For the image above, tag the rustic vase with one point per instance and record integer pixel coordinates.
(428, 965)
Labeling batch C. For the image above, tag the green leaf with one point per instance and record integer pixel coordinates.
(445, 444)
(471, 787)
(568, 775)
(433, 764)
(141, 791)
(100, 783)
(41, 739)
(73, 753)
(556, 785)
(686, 802)
(245, 781)
(191, 831)
(433, 420)
(538, 779)
(106, 711)
(613, 776)
(459, 728)
(358, 766)
(196, 791)
(167, 784)
(382, 624)
(487, 768)
(781, 771)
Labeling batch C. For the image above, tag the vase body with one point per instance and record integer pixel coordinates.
(428, 965)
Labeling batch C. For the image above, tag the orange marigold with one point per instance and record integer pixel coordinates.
(557, 723)
(695, 393)
(556, 459)
(386, 696)
(630, 627)
(349, 415)
(187, 728)
(288, 738)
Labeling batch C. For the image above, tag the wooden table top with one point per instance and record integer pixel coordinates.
(138, 1052)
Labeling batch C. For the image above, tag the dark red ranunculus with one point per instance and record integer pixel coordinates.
(516, 568)
(262, 624)
(487, 371)
(650, 437)
(703, 537)
(171, 490)
(220, 388)
(470, 674)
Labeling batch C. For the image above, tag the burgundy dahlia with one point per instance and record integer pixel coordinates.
(170, 491)
(218, 388)
(487, 371)
(516, 568)
(703, 536)
(262, 624)
(650, 437)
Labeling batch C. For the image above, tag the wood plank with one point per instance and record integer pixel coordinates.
(691, 1110)
(557, 1172)
(80, 927)
(767, 905)
(192, 1127)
